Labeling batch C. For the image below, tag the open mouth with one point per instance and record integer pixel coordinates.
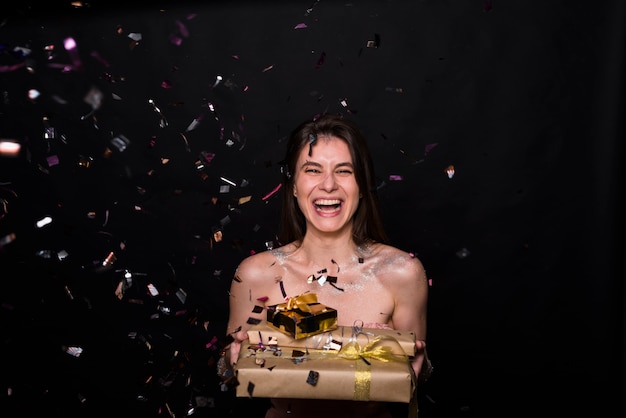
(327, 205)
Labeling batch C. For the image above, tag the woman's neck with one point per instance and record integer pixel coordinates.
(320, 247)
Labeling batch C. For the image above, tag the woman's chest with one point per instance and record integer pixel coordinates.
(356, 295)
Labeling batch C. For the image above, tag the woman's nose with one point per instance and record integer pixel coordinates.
(329, 182)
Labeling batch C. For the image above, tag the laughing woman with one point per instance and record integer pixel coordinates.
(331, 220)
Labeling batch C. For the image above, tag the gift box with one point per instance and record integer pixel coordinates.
(263, 334)
(369, 372)
(302, 316)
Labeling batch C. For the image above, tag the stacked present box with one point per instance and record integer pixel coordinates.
(323, 360)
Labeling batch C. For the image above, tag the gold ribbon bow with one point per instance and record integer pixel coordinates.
(372, 350)
(353, 350)
(300, 302)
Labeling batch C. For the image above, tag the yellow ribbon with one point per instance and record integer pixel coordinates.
(353, 350)
(300, 302)
(362, 373)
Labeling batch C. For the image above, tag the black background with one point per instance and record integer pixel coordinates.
(523, 244)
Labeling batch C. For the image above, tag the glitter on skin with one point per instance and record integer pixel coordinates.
(366, 275)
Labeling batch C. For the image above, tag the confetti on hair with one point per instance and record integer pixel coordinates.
(312, 141)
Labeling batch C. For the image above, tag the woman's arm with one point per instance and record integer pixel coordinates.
(410, 289)
(242, 301)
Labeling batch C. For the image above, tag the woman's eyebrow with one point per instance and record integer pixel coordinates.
(307, 162)
(316, 164)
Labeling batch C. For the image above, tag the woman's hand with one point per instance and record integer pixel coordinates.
(421, 363)
(235, 347)
(228, 359)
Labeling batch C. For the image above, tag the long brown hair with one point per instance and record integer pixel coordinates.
(367, 221)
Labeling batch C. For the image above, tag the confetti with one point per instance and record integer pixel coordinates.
(274, 190)
(313, 377)
(43, 222)
(71, 47)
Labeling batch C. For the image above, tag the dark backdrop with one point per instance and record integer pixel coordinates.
(142, 157)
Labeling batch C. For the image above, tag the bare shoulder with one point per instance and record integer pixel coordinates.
(396, 264)
(254, 266)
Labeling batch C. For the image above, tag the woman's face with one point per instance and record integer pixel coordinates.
(325, 186)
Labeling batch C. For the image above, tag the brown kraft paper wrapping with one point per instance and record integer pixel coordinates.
(263, 333)
(338, 378)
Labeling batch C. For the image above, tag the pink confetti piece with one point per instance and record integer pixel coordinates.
(301, 26)
(182, 29)
(10, 68)
(429, 148)
(72, 49)
(270, 194)
(52, 160)
(99, 57)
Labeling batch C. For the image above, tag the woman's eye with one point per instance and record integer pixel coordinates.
(311, 170)
(344, 172)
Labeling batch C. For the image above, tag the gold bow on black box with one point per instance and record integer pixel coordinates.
(302, 316)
